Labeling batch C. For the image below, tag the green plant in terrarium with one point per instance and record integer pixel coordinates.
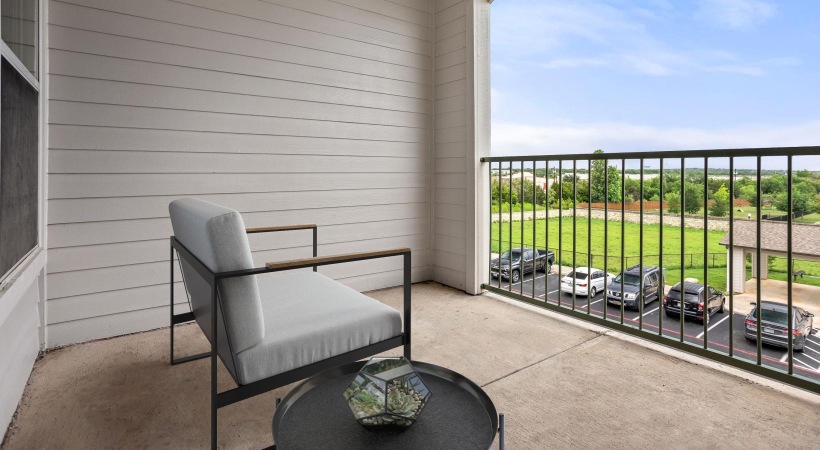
(387, 393)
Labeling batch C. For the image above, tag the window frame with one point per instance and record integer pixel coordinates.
(23, 264)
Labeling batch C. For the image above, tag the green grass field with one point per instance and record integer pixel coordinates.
(693, 260)
(505, 207)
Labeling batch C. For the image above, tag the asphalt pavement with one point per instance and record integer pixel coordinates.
(545, 287)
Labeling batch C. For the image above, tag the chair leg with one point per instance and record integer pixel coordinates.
(407, 322)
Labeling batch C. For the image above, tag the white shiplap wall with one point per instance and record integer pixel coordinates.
(450, 143)
(290, 111)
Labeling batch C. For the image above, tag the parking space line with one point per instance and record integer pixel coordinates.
(813, 359)
(785, 357)
(710, 328)
(809, 348)
(804, 364)
(651, 311)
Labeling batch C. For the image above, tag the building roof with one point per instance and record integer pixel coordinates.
(805, 238)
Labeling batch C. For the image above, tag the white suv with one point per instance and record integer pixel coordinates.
(585, 284)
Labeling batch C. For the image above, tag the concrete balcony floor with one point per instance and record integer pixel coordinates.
(560, 384)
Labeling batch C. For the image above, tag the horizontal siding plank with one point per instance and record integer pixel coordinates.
(94, 233)
(451, 180)
(340, 10)
(129, 26)
(82, 330)
(253, 27)
(449, 260)
(451, 28)
(420, 5)
(451, 196)
(136, 139)
(68, 284)
(450, 119)
(67, 88)
(449, 74)
(451, 43)
(449, 10)
(449, 277)
(458, 56)
(94, 115)
(451, 104)
(453, 212)
(143, 72)
(393, 10)
(451, 149)
(126, 208)
(452, 134)
(126, 185)
(450, 228)
(128, 253)
(108, 162)
(293, 17)
(68, 39)
(453, 88)
(450, 165)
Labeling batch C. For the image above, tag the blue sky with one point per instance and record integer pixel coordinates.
(630, 75)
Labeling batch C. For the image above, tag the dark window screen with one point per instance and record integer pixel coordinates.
(18, 167)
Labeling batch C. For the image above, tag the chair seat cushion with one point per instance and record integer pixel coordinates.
(308, 318)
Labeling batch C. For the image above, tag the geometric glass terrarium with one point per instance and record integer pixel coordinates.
(387, 393)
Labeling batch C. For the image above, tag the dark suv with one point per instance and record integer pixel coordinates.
(699, 301)
(652, 285)
(775, 318)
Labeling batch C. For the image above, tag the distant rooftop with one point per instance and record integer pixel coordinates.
(805, 237)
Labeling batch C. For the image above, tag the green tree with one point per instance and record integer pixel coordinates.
(748, 192)
(605, 183)
(802, 200)
(673, 202)
(720, 207)
(693, 199)
(632, 189)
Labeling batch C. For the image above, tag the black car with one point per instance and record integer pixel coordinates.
(699, 301)
(775, 318)
(517, 261)
(631, 279)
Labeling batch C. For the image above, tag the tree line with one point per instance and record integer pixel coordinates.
(604, 185)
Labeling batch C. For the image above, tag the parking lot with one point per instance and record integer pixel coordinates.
(545, 287)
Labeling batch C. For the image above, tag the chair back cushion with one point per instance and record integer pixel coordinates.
(216, 236)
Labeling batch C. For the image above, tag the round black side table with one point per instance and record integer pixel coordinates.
(314, 415)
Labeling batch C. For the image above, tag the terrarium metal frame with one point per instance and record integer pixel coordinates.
(397, 400)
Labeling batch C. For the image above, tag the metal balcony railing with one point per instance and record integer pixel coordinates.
(673, 252)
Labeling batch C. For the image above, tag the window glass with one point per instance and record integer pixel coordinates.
(19, 30)
(629, 279)
(773, 315)
(577, 275)
(515, 255)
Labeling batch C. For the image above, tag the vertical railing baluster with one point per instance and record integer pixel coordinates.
(589, 231)
(661, 274)
(560, 224)
(682, 245)
(534, 226)
(547, 232)
(575, 230)
(623, 232)
(640, 297)
(490, 224)
(509, 227)
(500, 221)
(731, 262)
(606, 232)
(705, 253)
(790, 265)
(521, 270)
(758, 261)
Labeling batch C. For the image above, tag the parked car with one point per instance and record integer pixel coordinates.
(510, 265)
(699, 301)
(588, 281)
(774, 316)
(631, 278)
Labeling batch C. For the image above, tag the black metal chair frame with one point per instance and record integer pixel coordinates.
(243, 392)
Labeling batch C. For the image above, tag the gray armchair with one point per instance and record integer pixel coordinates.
(271, 331)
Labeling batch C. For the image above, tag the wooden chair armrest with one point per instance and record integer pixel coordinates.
(309, 226)
(334, 259)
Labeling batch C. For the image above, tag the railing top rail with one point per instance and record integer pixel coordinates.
(665, 154)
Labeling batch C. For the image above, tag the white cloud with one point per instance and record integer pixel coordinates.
(515, 139)
(735, 14)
